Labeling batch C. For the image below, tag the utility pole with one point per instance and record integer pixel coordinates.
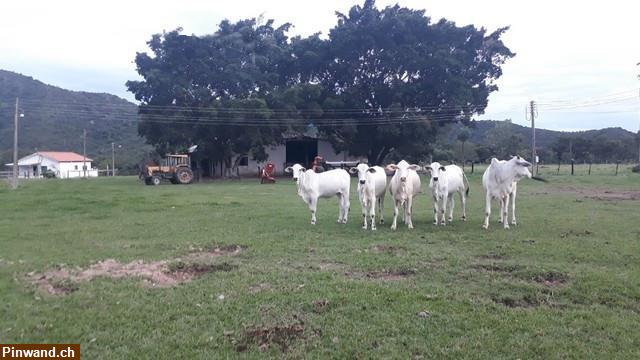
(532, 105)
(84, 152)
(14, 183)
(113, 159)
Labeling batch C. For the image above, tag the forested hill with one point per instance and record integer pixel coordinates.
(501, 138)
(546, 138)
(54, 120)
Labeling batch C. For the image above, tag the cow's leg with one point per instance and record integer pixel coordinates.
(487, 211)
(408, 210)
(463, 201)
(372, 213)
(513, 208)
(505, 211)
(345, 208)
(450, 197)
(443, 210)
(435, 210)
(363, 203)
(381, 208)
(313, 206)
(396, 204)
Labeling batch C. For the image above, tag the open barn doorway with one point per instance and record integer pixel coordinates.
(301, 151)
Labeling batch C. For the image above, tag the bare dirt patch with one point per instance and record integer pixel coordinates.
(265, 337)
(500, 268)
(492, 256)
(390, 275)
(389, 249)
(328, 266)
(526, 301)
(320, 305)
(602, 194)
(551, 278)
(575, 233)
(164, 273)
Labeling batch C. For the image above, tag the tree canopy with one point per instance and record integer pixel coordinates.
(379, 86)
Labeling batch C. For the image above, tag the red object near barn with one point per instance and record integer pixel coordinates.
(266, 174)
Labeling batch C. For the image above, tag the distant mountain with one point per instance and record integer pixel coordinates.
(54, 119)
(545, 138)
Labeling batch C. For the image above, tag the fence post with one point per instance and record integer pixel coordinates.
(558, 171)
(572, 162)
(472, 166)
(617, 164)
(589, 167)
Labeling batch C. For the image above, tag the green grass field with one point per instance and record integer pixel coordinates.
(564, 283)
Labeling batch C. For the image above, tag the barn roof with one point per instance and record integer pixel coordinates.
(59, 156)
(63, 156)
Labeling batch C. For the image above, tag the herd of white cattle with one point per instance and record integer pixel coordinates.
(499, 180)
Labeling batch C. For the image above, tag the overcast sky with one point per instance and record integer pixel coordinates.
(580, 52)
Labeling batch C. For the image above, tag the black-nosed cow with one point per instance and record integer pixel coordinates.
(445, 182)
(500, 182)
(372, 184)
(312, 186)
(404, 186)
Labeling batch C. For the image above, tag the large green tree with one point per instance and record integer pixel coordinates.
(220, 91)
(407, 74)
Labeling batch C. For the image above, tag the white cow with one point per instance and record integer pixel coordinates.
(404, 186)
(372, 184)
(445, 182)
(500, 182)
(312, 186)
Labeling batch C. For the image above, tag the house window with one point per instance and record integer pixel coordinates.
(75, 167)
(244, 161)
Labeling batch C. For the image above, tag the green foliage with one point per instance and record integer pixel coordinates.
(505, 142)
(393, 60)
(236, 75)
(388, 62)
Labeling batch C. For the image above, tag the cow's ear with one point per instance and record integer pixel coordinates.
(371, 170)
(414, 167)
(288, 169)
(442, 168)
(391, 167)
(353, 170)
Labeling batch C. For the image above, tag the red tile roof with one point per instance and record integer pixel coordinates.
(63, 156)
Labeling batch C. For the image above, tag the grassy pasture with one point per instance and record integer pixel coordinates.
(564, 283)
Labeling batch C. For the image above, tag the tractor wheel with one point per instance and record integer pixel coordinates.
(184, 175)
(156, 180)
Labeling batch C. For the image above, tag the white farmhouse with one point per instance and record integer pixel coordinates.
(63, 164)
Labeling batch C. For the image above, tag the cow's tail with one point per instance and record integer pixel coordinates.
(466, 183)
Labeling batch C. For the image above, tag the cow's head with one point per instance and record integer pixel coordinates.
(362, 170)
(402, 169)
(521, 167)
(435, 169)
(295, 171)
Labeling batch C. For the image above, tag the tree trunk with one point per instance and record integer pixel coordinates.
(463, 155)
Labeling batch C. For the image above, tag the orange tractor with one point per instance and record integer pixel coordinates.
(175, 168)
